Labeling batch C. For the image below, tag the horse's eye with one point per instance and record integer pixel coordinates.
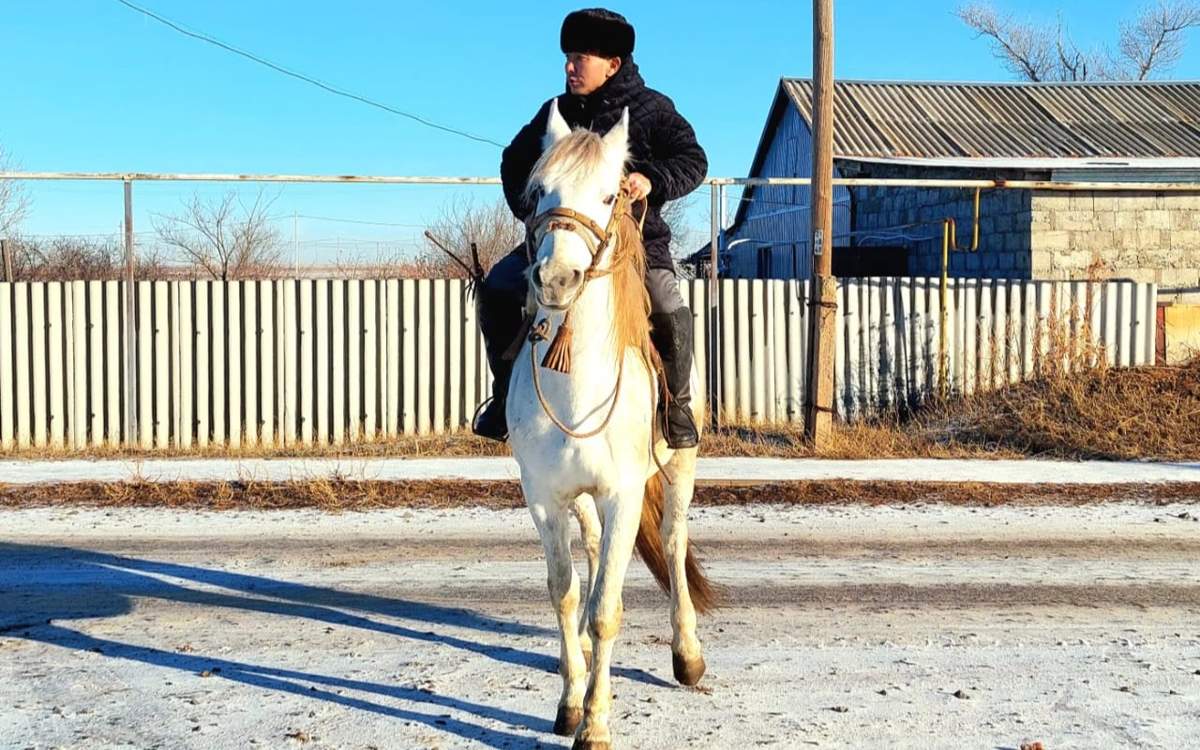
(609, 200)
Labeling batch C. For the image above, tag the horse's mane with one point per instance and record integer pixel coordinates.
(569, 161)
(631, 301)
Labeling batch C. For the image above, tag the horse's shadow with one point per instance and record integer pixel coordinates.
(33, 609)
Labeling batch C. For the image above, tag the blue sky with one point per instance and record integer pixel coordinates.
(90, 85)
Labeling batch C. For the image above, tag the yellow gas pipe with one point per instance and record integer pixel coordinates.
(950, 243)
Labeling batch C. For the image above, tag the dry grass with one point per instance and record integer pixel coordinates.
(1074, 413)
(402, 446)
(889, 438)
(882, 439)
(332, 494)
(337, 495)
(1100, 413)
(1097, 412)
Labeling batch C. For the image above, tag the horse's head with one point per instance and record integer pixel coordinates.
(576, 182)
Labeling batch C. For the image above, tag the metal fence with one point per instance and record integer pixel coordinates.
(289, 362)
(889, 339)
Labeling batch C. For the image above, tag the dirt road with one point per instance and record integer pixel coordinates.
(914, 626)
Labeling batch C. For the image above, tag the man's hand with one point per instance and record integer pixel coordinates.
(639, 185)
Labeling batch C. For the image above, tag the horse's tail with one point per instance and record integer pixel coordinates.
(649, 546)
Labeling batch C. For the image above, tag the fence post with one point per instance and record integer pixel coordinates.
(714, 312)
(131, 415)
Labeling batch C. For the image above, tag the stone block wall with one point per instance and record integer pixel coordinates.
(1044, 234)
(1119, 235)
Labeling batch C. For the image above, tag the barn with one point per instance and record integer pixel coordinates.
(1134, 133)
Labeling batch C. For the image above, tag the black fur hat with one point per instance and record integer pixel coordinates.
(597, 31)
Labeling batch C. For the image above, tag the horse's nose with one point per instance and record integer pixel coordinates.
(558, 280)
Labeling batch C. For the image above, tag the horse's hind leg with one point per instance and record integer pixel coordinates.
(589, 528)
(686, 657)
(622, 514)
(553, 526)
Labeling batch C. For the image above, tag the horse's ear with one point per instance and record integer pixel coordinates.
(556, 127)
(618, 135)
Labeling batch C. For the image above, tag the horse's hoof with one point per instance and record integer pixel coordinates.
(582, 744)
(687, 672)
(567, 720)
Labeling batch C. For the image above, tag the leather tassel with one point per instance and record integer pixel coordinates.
(558, 356)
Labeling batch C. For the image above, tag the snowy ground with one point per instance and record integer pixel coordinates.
(1025, 471)
(923, 627)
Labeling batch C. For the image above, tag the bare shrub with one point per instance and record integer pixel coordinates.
(76, 259)
(491, 227)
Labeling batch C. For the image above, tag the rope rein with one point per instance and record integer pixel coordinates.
(538, 334)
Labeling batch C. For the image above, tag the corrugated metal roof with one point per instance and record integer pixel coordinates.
(1158, 120)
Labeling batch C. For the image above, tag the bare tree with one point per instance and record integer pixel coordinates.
(491, 227)
(1148, 46)
(225, 238)
(14, 201)
(685, 238)
(1154, 41)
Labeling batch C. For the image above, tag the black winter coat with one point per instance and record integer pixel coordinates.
(662, 146)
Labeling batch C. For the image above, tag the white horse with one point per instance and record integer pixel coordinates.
(581, 423)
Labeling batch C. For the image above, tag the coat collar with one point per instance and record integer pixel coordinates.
(616, 92)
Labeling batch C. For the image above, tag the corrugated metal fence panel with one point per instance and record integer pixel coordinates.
(996, 332)
(7, 388)
(281, 362)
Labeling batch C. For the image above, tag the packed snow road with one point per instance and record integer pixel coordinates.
(923, 626)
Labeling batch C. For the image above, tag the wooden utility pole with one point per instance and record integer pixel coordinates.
(6, 251)
(818, 424)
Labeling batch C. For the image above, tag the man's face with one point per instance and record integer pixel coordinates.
(586, 73)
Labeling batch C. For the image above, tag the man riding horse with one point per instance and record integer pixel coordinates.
(666, 163)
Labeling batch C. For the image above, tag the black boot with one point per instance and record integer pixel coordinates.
(499, 313)
(672, 336)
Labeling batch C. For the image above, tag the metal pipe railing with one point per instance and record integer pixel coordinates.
(1143, 187)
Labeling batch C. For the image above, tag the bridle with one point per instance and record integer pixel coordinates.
(597, 239)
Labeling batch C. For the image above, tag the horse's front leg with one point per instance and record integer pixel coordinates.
(589, 528)
(553, 526)
(622, 513)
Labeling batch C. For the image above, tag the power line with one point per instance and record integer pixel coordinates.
(352, 221)
(301, 77)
